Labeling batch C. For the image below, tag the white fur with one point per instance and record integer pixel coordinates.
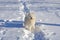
(29, 23)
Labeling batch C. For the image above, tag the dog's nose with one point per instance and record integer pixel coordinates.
(31, 17)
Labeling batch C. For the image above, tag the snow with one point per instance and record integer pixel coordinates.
(16, 34)
(21, 34)
(47, 11)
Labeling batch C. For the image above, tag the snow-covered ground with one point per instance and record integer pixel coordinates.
(47, 11)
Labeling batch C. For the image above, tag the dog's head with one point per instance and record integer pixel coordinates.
(31, 16)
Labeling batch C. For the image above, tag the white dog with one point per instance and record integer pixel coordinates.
(29, 23)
